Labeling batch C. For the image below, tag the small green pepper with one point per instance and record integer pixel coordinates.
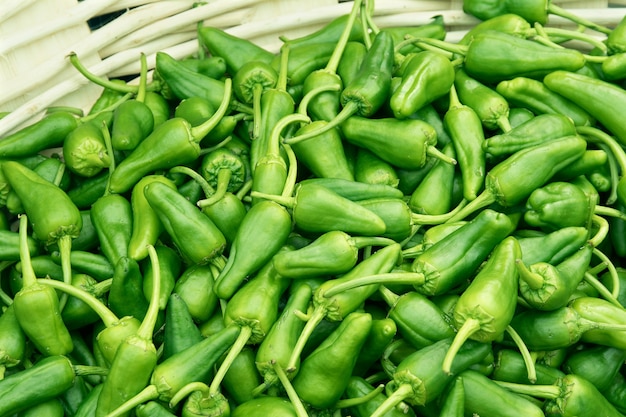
(84, 149)
(511, 367)
(552, 247)
(180, 332)
(12, 340)
(330, 365)
(264, 406)
(111, 216)
(195, 288)
(597, 364)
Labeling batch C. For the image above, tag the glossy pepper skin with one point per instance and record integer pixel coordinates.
(264, 406)
(183, 220)
(578, 397)
(84, 149)
(48, 378)
(426, 76)
(359, 387)
(112, 218)
(37, 308)
(12, 340)
(263, 231)
(331, 364)
(46, 133)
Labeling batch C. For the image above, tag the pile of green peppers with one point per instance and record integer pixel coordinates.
(371, 222)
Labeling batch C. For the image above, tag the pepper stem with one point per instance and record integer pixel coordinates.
(541, 391)
(349, 109)
(143, 78)
(223, 181)
(436, 153)
(437, 218)
(281, 83)
(291, 392)
(273, 146)
(235, 349)
(149, 321)
(363, 241)
(603, 230)
(65, 250)
(314, 319)
(333, 62)
(292, 172)
(410, 278)
(286, 201)
(186, 390)
(482, 200)
(148, 393)
(526, 355)
(535, 281)
(389, 297)
(257, 92)
(204, 184)
(123, 88)
(596, 135)
(203, 129)
(602, 290)
(106, 315)
(28, 273)
(351, 402)
(558, 11)
(308, 97)
(469, 327)
(606, 261)
(401, 393)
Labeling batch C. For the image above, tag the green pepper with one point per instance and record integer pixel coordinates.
(514, 179)
(330, 365)
(548, 287)
(93, 264)
(133, 120)
(419, 378)
(76, 314)
(180, 332)
(242, 377)
(193, 364)
(254, 309)
(359, 387)
(84, 149)
(48, 378)
(37, 307)
(224, 171)
(534, 95)
(464, 126)
(10, 246)
(604, 314)
(487, 398)
(211, 66)
(371, 169)
(334, 252)
(136, 356)
(173, 142)
(146, 227)
(330, 32)
(477, 314)
(616, 392)
(46, 133)
(577, 394)
(263, 231)
(193, 233)
(413, 140)
(552, 247)
(557, 205)
(317, 209)
(403, 308)
(381, 334)
(264, 406)
(85, 191)
(511, 367)
(555, 329)
(334, 304)
(425, 68)
(170, 265)
(540, 129)
(597, 364)
(195, 288)
(159, 107)
(368, 91)
(350, 62)
(275, 349)
(12, 340)
(234, 50)
(354, 190)
(126, 297)
(111, 216)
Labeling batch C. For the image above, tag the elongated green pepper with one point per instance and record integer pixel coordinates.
(537, 97)
(12, 340)
(597, 364)
(354, 190)
(111, 216)
(181, 332)
(331, 364)
(183, 220)
(370, 169)
(419, 378)
(195, 288)
(135, 358)
(548, 287)
(515, 178)
(263, 231)
(477, 314)
(173, 142)
(37, 307)
(552, 247)
(604, 314)
(263, 406)
(511, 367)
(332, 253)
(466, 132)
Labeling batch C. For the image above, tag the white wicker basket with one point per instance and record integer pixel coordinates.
(36, 36)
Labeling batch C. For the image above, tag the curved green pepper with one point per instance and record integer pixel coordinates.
(111, 216)
(370, 169)
(195, 287)
(12, 340)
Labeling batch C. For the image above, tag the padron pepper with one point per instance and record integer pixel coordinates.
(111, 216)
(84, 148)
(173, 142)
(419, 378)
(195, 287)
(330, 365)
(426, 77)
(511, 181)
(485, 308)
(553, 247)
(370, 169)
(597, 364)
(12, 340)
(37, 309)
(334, 252)
(193, 233)
(263, 231)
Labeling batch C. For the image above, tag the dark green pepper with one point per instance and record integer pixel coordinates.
(195, 288)
(84, 149)
(597, 364)
(180, 332)
(511, 367)
(264, 406)
(552, 247)
(12, 340)
(359, 387)
(111, 216)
